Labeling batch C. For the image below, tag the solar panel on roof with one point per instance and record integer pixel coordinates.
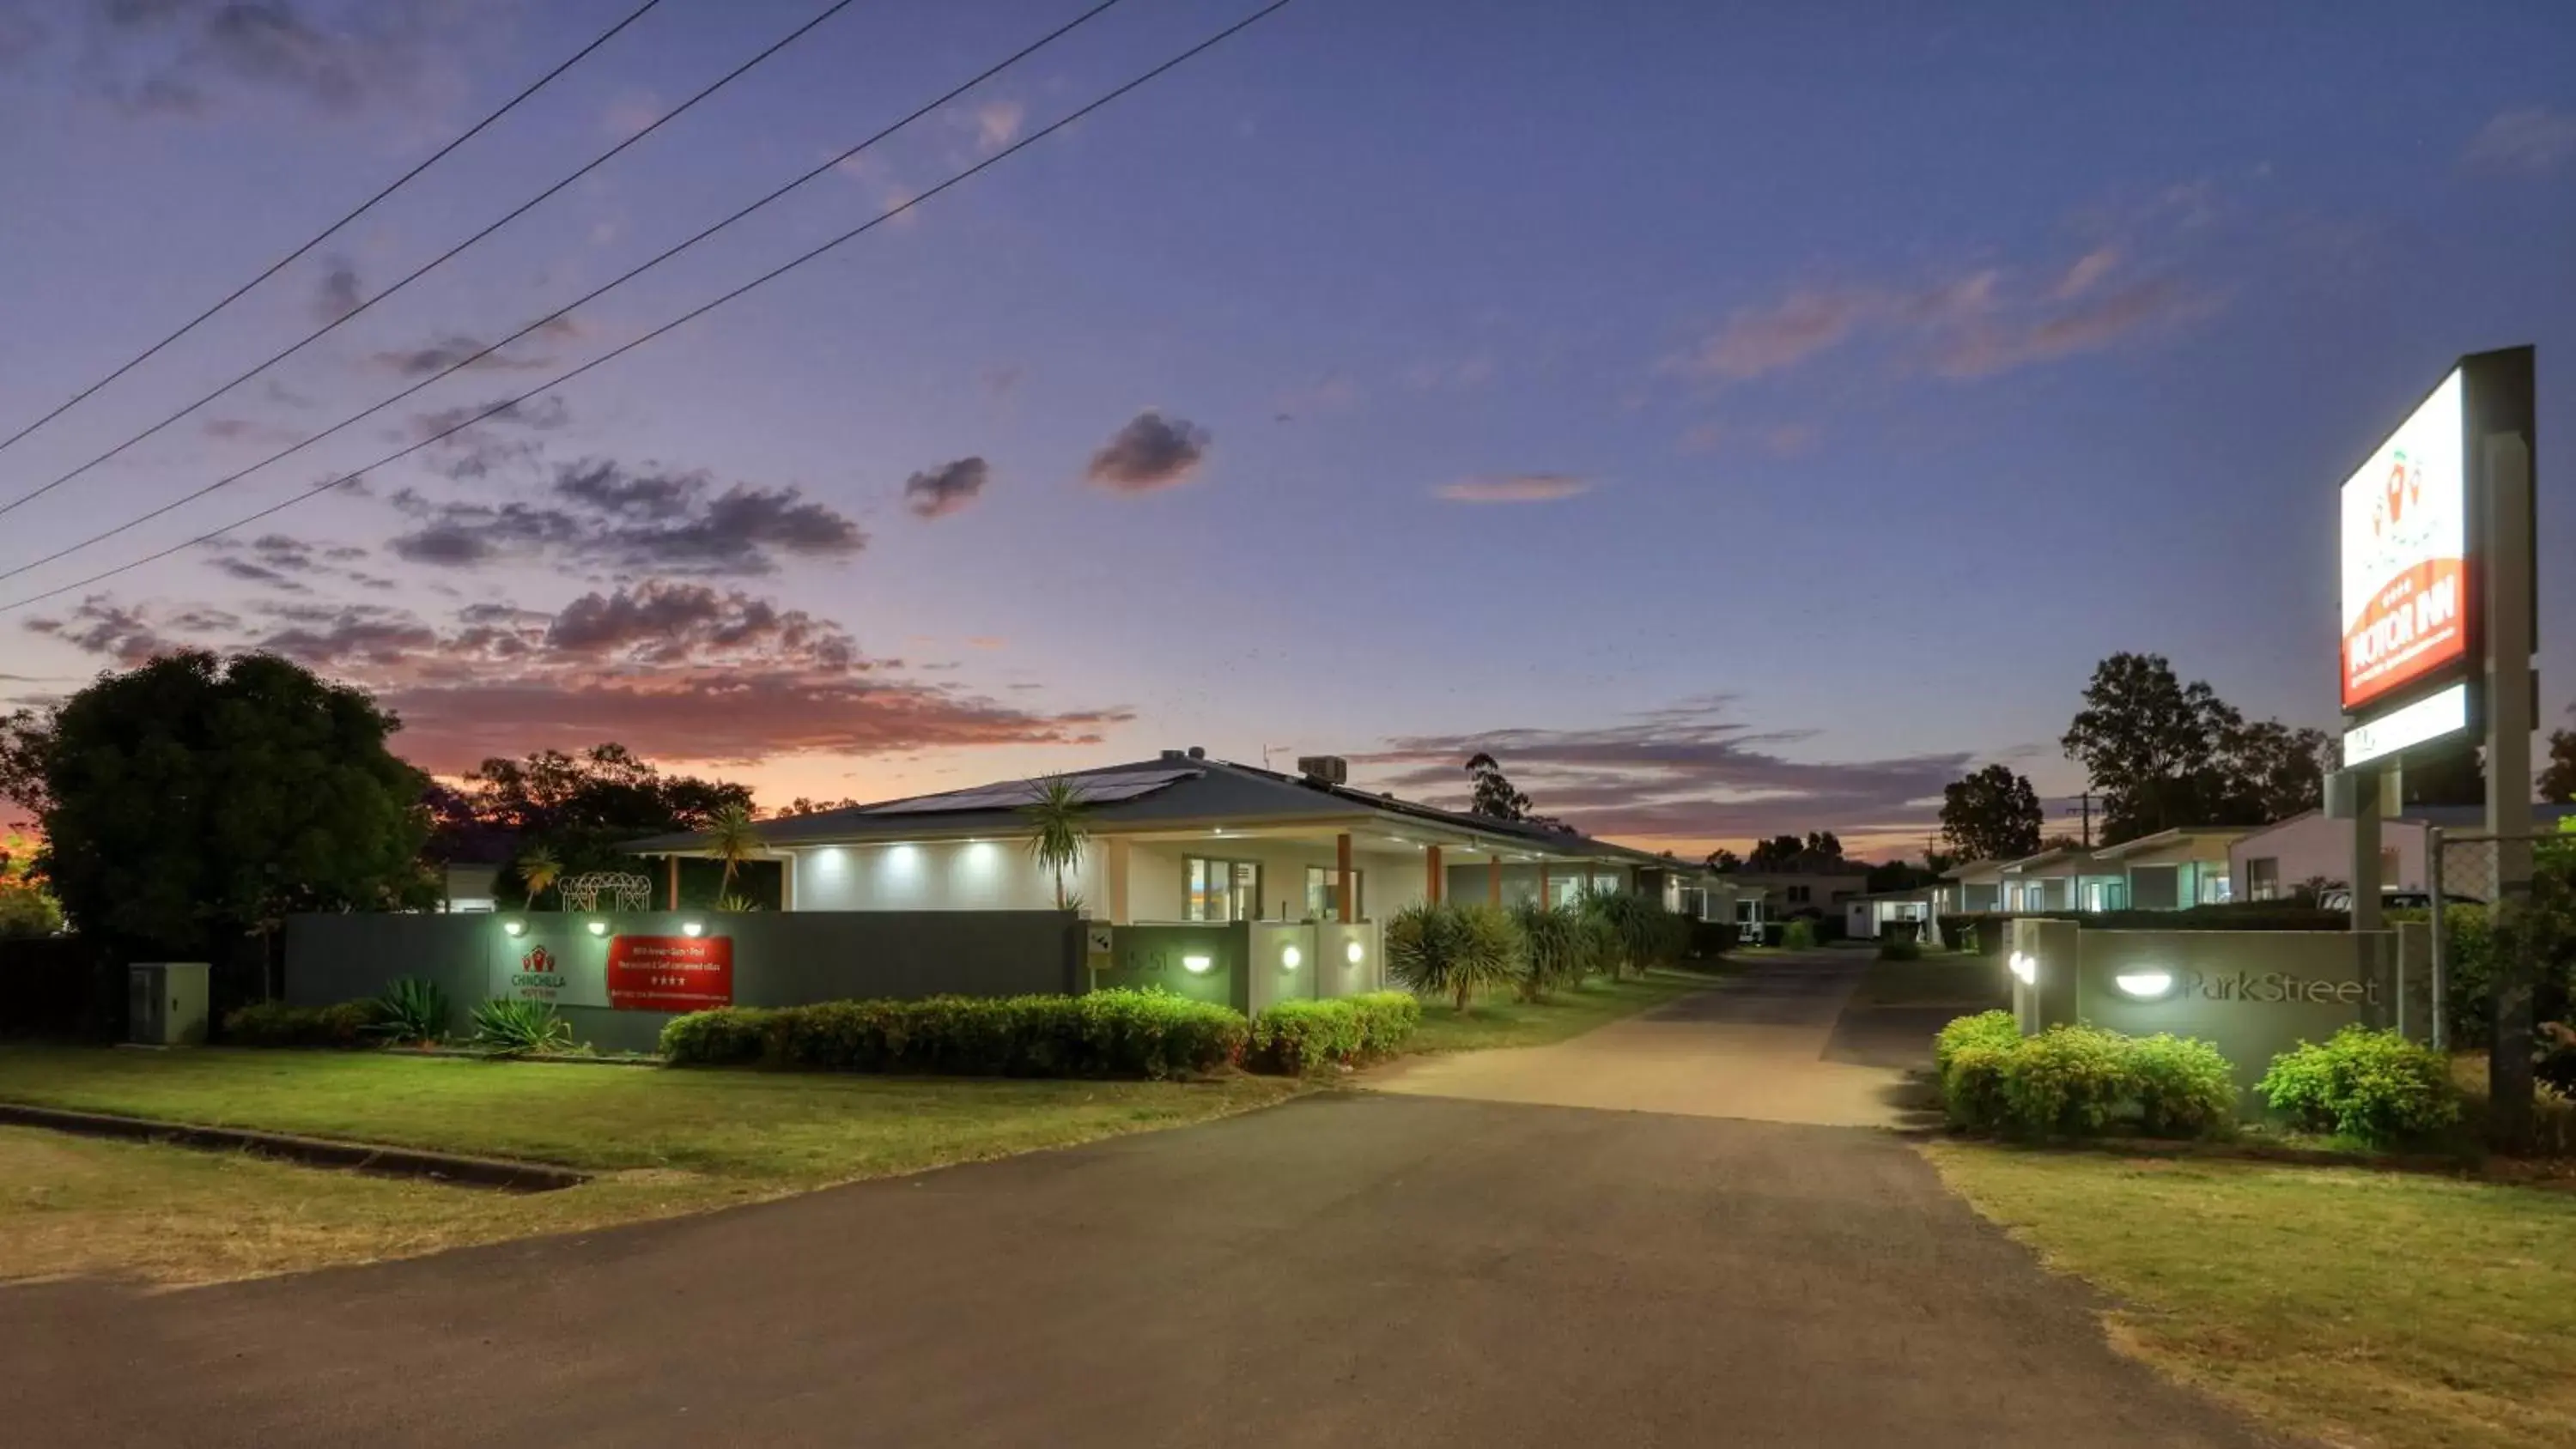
(1090, 789)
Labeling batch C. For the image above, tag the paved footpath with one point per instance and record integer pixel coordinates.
(1772, 1045)
(1354, 1268)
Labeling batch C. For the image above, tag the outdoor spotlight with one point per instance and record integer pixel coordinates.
(599, 928)
(513, 928)
(2144, 985)
(691, 928)
(2025, 968)
(1290, 958)
(1197, 965)
(1353, 953)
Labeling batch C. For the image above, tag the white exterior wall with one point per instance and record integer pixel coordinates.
(1158, 880)
(947, 875)
(2318, 845)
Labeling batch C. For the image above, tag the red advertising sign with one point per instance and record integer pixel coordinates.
(2406, 569)
(670, 973)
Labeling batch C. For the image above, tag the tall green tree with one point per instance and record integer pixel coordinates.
(193, 800)
(579, 809)
(2558, 778)
(2271, 771)
(26, 907)
(1723, 859)
(2163, 754)
(1993, 814)
(1495, 798)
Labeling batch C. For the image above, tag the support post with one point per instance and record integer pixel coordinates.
(1542, 885)
(2364, 875)
(2441, 947)
(1342, 874)
(1494, 879)
(1434, 878)
(1113, 869)
(673, 862)
(2506, 466)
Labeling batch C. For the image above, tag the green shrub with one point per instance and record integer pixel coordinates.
(1111, 1033)
(1798, 935)
(1453, 950)
(2184, 1088)
(515, 1026)
(1306, 1036)
(1560, 947)
(411, 1010)
(1995, 1029)
(1642, 934)
(2372, 1086)
(2078, 1081)
(1895, 949)
(2067, 1081)
(276, 1024)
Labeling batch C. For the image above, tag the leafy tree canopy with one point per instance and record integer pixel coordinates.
(578, 808)
(1820, 850)
(1495, 798)
(1993, 814)
(2558, 778)
(2163, 753)
(1723, 859)
(194, 800)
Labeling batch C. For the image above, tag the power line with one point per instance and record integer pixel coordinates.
(327, 232)
(441, 259)
(460, 364)
(683, 319)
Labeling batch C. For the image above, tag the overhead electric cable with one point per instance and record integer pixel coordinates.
(684, 318)
(327, 232)
(461, 363)
(442, 258)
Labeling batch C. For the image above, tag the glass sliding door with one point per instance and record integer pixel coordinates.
(1220, 890)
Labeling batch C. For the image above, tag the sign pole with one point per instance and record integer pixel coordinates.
(2510, 711)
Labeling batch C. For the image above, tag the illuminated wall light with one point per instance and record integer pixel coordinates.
(692, 928)
(513, 927)
(1354, 953)
(1197, 965)
(2144, 985)
(1290, 958)
(2025, 968)
(599, 928)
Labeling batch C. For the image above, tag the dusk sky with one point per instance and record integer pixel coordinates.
(1738, 418)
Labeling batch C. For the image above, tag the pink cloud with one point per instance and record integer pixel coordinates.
(1515, 488)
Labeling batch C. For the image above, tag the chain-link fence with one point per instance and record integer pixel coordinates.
(2503, 916)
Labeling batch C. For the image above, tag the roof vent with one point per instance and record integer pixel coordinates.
(1197, 753)
(1324, 769)
(1176, 754)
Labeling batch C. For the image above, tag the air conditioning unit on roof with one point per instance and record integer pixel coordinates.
(1325, 769)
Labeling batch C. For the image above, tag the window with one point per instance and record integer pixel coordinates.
(1324, 902)
(2216, 889)
(1220, 890)
(2263, 879)
(1797, 895)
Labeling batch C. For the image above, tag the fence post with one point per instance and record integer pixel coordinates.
(2441, 923)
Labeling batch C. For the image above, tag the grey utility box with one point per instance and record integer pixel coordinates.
(166, 1003)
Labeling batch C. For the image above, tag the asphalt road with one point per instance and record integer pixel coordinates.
(1348, 1269)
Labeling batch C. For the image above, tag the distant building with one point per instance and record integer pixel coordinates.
(2272, 863)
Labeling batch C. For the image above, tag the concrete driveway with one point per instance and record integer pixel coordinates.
(1773, 1045)
(1349, 1269)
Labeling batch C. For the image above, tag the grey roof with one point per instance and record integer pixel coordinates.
(1218, 792)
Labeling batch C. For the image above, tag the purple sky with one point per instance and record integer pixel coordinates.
(1737, 418)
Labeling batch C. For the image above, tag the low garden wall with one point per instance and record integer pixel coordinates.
(617, 987)
(2250, 994)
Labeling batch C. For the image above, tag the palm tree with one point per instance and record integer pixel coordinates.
(538, 871)
(1059, 827)
(733, 839)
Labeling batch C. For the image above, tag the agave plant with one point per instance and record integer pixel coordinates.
(734, 902)
(412, 1010)
(1453, 950)
(514, 1026)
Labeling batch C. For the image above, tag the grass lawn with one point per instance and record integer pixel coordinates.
(1970, 983)
(2358, 1306)
(663, 1142)
(1496, 1020)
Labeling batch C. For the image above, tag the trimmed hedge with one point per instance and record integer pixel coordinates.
(1307, 1036)
(276, 1024)
(2080, 1081)
(2372, 1086)
(1111, 1033)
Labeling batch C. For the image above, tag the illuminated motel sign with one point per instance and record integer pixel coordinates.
(2416, 550)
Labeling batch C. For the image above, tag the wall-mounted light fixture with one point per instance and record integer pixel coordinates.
(513, 928)
(2144, 985)
(692, 928)
(1354, 953)
(599, 928)
(1290, 958)
(1197, 965)
(2025, 968)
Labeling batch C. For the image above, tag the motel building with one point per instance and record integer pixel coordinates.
(2167, 871)
(1186, 838)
